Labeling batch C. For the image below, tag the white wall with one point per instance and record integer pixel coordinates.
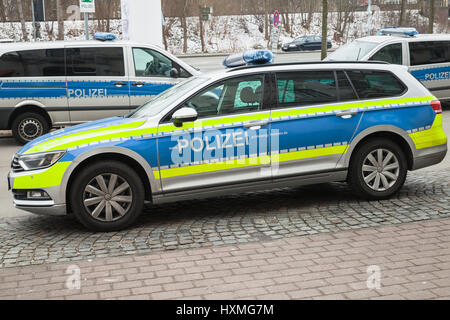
(141, 21)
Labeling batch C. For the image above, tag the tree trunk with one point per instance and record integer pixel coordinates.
(323, 54)
(266, 21)
(22, 20)
(402, 13)
(59, 17)
(2, 11)
(202, 38)
(183, 25)
(431, 17)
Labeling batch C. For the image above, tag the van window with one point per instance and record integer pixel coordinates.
(375, 84)
(33, 63)
(150, 63)
(391, 53)
(427, 52)
(100, 62)
(306, 88)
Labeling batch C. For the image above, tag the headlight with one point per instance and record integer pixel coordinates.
(40, 160)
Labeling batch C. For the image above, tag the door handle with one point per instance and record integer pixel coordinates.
(255, 125)
(120, 84)
(138, 84)
(345, 114)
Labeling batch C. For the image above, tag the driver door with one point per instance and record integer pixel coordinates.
(151, 75)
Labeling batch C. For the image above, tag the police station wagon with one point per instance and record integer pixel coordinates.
(241, 129)
(54, 84)
(427, 56)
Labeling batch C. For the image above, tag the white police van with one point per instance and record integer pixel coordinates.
(427, 56)
(54, 84)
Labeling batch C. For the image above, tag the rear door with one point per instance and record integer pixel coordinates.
(151, 74)
(97, 82)
(315, 119)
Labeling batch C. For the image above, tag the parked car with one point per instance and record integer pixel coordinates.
(54, 84)
(305, 43)
(242, 129)
(427, 56)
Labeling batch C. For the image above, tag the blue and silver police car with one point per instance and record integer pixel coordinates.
(240, 129)
(427, 56)
(60, 83)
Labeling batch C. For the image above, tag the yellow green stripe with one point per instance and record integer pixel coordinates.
(431, 137)
(49, 178)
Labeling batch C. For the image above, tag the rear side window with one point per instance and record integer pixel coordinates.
(346, 91)
(428, 52)
(375, 84)
(103, 61)
(306, 88)
(33, 63)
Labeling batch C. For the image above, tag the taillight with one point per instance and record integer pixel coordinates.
(436, 105)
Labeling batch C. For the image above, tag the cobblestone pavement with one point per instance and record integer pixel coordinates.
(412, 261)
(229, 220)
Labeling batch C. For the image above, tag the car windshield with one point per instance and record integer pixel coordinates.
(352, 51)
(300, 39)
(166, 98)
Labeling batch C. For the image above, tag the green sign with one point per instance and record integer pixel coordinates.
(206, 10)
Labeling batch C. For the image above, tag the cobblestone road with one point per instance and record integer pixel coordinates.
(229, 220)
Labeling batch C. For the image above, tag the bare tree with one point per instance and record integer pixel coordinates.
(345, 10)
(323, 54)
(402, 13)
(22, 20)
(200, 20)
(2, 11)
(431, 17)
(59, 17)
(183, 25)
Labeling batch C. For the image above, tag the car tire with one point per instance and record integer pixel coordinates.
(111, 205)
(375, 179)
(29, 126)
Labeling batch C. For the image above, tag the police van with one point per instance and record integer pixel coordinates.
(54, 84)
(241, 129)
(427, 56)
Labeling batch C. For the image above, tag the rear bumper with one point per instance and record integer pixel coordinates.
(429, 156)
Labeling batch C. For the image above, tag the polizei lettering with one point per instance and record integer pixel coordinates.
(87, 93)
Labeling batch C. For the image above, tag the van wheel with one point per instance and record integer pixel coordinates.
(377, 169)
(28, 126)
(107, 196)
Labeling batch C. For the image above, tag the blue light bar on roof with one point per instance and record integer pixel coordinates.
(410, 32)
(104, 36)
(251, 57)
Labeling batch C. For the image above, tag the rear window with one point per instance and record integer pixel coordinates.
(375, 84)
(428, 52)
(33, 63)
(103, 61)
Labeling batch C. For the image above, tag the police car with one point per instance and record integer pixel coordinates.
(245, 128)
(54, 84)
(427, 56)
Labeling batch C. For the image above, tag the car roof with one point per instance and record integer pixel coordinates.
(419, 37)
(59, 44)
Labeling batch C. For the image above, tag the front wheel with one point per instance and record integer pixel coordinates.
(107, 196)
(378, 169)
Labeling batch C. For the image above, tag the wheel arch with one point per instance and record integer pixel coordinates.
(29, 106)
(129, 157)
(396, 134)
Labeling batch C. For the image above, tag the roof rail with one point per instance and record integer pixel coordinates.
(303, 63)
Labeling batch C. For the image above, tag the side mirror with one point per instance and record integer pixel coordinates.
(174, 73)
(184, 114)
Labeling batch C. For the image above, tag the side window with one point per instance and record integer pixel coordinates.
(306, 88)
(375, 84)
(428, 52)
(237, 95)
(100, 62)
(33, 63)
(150, 63)
(346, 91)
(391, 53)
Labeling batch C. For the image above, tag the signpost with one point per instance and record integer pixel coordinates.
(275, 36)
(87, 6)
(205, 11)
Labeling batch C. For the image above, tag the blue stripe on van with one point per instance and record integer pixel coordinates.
(438, 73)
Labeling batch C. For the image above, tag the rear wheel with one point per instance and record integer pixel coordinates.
(28, 126)
(107, 196)
(378, 169)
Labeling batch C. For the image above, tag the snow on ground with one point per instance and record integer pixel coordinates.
(229, 33)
